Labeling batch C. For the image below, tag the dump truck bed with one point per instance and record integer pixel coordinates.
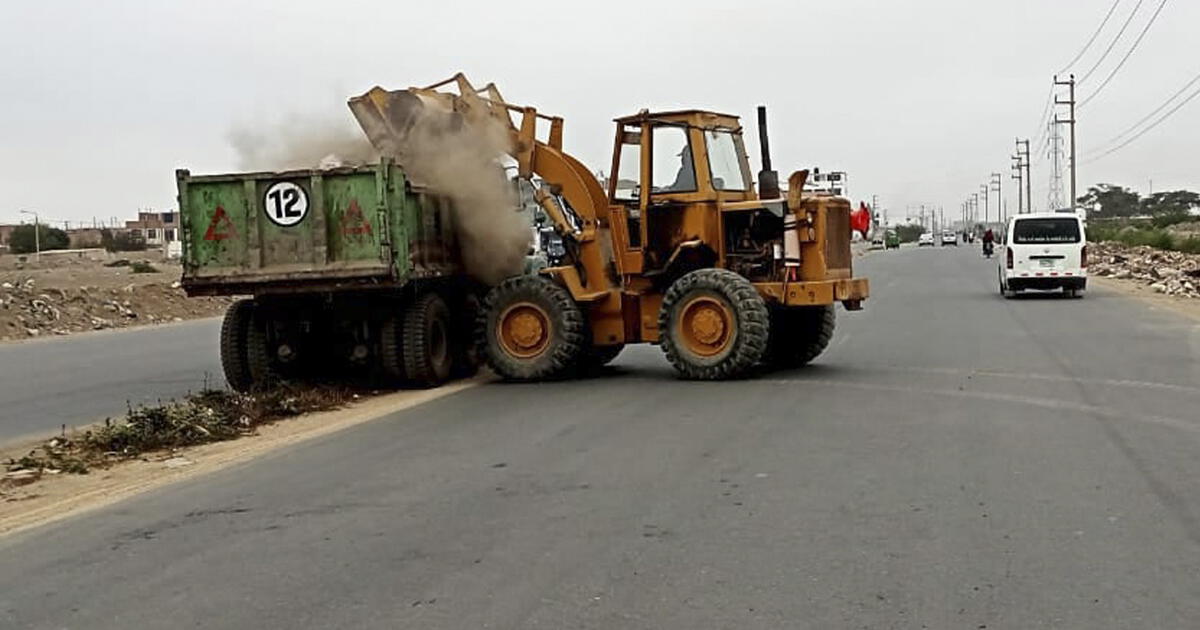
(310, 230)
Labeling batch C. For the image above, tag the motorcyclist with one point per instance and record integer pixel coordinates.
(989, 240)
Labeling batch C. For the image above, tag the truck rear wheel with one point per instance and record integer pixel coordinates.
(245, 357)
(713, 324)
(426, 346)
(531, 329)
(391, 353)
(800, 334)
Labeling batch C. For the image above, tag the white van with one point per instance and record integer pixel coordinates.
(1043, 251)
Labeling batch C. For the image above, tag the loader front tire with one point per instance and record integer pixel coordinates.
(530, 329)
(427, 344)
(245, 354)
(713, 325)
(800, 334)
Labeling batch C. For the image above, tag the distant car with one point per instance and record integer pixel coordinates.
(1043, 251)
(949, 238)
(925, 239)
(891, 239)
(877, 243)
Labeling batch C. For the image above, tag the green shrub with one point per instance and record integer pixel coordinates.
(1173, 218)
(121, 241)
(209, 416)
(23, 239)
(1188, 246)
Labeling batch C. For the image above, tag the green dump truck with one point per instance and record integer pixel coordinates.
(345, 270)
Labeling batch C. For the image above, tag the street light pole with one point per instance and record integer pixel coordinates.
(37, 235)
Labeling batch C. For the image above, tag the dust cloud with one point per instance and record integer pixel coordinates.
(461, 162)
(299, 142)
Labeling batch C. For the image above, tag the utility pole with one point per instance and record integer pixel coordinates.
(995, 184)
(1018, 175)
(1023, 152)
(986, 190)
(1069, 121)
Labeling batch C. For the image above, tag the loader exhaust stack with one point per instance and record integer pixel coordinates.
(768, 179)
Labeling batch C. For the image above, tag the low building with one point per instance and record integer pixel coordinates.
(158, 228)
(84, 238)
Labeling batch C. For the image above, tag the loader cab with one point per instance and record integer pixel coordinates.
(669, 172)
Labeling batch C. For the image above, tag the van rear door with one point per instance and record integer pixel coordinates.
(1047, 246)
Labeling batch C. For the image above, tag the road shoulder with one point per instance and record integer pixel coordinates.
(1183, 306)
(68, 495)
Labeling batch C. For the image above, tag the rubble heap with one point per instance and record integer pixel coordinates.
(1170, 273)
(27, 310)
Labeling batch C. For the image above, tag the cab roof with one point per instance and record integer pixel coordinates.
(700, 117)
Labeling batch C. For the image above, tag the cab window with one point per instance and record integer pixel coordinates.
(723, 160)
(673, 168)
(628, 173)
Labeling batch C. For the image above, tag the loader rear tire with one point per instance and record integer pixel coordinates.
(800, 334)
(245, 355)
(530, 329)
(427, 345)
(713, 325)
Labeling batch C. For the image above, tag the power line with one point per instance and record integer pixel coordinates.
(1112, 44)
(1134, 126)
(1143, 132)
(1045, 114)
(1127, 54)
(1093, 38)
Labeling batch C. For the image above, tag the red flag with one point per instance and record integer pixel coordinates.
(860, 220)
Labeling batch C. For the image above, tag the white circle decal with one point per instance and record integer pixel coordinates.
(285, 203)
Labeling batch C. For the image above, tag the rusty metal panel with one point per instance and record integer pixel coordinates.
(837, 236)
(299, 227)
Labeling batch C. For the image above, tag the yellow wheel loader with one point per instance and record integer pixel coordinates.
(675, 247)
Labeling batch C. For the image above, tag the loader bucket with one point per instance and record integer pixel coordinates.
(387, 117)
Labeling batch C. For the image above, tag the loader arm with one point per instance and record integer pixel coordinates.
(387, 117)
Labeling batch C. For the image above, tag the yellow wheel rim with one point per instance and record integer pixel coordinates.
(706, 326)
(524, 330)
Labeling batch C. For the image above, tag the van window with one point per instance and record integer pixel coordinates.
(1037, 231)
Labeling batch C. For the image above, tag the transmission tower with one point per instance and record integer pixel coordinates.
(1054, 199)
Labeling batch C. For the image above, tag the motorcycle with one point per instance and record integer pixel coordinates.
(988, 249)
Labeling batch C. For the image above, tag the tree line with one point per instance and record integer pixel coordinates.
(1110, 201)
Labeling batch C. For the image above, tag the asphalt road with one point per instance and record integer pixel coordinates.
(77, 380)
(954, 461)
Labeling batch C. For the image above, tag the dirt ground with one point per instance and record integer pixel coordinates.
(67, 293)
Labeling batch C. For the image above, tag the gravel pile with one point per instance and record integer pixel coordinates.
(27, 310)
(1169, 273)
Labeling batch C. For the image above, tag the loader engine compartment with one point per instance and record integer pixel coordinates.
(754, 243)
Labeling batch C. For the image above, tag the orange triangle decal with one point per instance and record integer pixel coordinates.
(221, 227)
(353, 221)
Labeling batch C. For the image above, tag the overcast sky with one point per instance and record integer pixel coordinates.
(918, 100)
